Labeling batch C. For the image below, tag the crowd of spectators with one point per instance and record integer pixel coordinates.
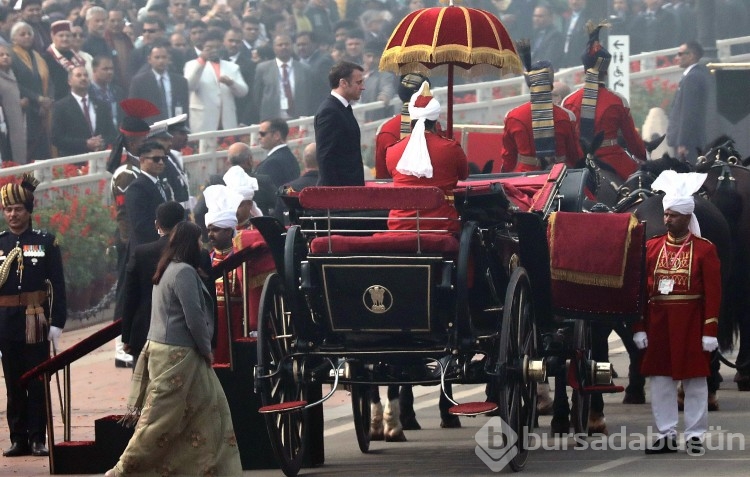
(283, 50)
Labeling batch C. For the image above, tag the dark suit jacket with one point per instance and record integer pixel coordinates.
(69, 130)
(136, 318)
(266, 90)
(653, 35)
(141, 200)
(548, 45)
(265, 196)
(145, 86)
(281, 166)
(247, 114)
(577, 41)
(687, 117)
(339, 145)
(308, 179)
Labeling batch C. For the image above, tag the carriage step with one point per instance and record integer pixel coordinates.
(603, 389)
(283, 407)
(472, 408)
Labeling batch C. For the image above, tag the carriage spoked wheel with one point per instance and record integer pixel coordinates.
(518, 395)
(581, 402)
(276, 334)
(361, 412)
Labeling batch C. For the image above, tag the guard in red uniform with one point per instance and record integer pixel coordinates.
(679, 330)
(426, 159)
(221, 220)
(399, 126)
(599, 109)
(539, 133)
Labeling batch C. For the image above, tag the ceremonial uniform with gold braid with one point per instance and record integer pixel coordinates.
(32, 289)
(221, 353)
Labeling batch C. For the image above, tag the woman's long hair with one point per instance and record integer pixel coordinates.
(182, 247)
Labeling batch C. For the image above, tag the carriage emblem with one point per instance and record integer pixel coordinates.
(377, 299)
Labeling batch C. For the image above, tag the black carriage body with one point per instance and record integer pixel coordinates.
(385, 294)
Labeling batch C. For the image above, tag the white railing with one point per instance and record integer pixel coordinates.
(486, 109)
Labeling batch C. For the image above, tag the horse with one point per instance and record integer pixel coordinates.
(727, 185)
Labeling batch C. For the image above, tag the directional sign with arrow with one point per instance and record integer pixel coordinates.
(619, 79)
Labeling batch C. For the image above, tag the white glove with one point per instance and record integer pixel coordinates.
(54, 335)
(710, 343)
(640, 339)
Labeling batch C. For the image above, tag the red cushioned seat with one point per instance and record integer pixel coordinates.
(386, 242)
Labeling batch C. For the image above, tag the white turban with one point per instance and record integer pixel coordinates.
(239, 181)
(678, 194)
(222, 203)
(415, 160)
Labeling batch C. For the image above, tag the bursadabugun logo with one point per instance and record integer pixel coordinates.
(496, 444)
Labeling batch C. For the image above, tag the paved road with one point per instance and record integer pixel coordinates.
(101, 389)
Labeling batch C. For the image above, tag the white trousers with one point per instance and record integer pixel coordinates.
(664, 406)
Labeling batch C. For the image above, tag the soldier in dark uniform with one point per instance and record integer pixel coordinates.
(124, 166)
(32, 313)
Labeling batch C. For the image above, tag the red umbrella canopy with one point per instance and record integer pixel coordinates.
(430, 39)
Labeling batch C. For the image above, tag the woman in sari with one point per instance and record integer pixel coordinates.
(183, 422)
(32, 76)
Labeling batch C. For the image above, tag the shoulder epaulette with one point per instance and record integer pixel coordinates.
(4, 232)
(703, 238)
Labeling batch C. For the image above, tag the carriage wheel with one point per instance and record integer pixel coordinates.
(361, 412)
(579, 412)
(517, 401)
(275, 337)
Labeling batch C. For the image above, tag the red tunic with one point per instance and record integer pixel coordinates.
(388, 134)
(518, 139)
(449, 165)
(675, 322)
(221, 353)
(612, 115)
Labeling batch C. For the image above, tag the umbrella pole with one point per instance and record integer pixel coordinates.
(450, 102)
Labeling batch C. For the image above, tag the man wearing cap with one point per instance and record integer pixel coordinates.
(60, 58)
(678, 333)
(125, 168)
(32, 313)
(221, 221)
(599, 109)
(399, 126)
(174, 171)
(538, 134)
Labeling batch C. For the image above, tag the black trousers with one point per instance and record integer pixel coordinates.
(27, 412)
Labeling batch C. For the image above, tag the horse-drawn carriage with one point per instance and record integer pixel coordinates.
(352, 303)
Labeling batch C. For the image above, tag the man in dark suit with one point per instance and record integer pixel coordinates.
(239, 154)
(81, 124)
(307, 45)
(654, 28)
(280, 163)
(282, 86)
(309, 178)
(104, 89)
(576, 35)
(547, 42)
(146, 193)
(141, 267)
(172, 97)
(686, 131)
(337, 131)
(246, 113)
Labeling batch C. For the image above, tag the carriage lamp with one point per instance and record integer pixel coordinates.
(534, 370)
(601, 373)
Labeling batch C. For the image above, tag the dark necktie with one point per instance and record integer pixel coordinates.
(87, 114)
(160, 186)
(287, 89)
(164, 103)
